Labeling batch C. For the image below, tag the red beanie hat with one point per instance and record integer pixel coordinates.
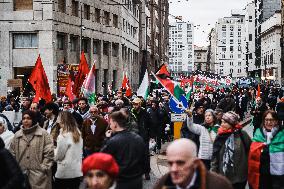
(101, 161)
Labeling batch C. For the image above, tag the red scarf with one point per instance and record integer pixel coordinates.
(222, 131)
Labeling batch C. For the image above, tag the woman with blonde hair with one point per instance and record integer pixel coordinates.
(68, 153)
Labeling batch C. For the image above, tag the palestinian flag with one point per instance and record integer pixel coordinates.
(276, 156)
(144, 87)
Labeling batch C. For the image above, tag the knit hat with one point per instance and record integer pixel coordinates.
(100, 161)
(231, 117)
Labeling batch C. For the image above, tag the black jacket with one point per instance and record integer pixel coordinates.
(128, 149)
(11, 176)
(142, 119)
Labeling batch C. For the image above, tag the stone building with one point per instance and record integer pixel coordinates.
(53, 29)
(200, 59)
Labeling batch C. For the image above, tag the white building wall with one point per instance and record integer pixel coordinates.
(231, 46)
(271, 51)
(181, 53)
(250, 36)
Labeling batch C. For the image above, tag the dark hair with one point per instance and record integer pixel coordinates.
(33, 116)
(83, 98)
(52, 106)
(273, 114)
(120, 117)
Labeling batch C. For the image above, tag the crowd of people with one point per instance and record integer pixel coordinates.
(108, 145)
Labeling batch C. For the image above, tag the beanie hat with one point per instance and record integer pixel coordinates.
(231, 117)
(101, 161)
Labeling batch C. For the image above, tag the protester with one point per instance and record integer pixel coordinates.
(187, 171)
(11, 176)
(68, 153)
(35, 107)
(33, 148)
(67, 106)
(230, 151)
(280, 111)
(93, 132)
(83, 108)
(100, 171)
(207, 133)
(128, 149)
(257, 112)
(227, 104)
(5, 134)
(51, 111)
(266, 154)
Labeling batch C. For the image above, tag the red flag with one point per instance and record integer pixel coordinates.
(258, 91)
(82, 73)
(68, 91)
(39, 81)
(125, 85)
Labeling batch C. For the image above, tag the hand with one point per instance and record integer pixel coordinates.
(188, 112)
(108, 133)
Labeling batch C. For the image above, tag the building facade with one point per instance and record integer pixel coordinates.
(271, 51)
(250, 38)
(200, 58)
(109, 30)
(181, 49)
(211, 58)
(230, 48)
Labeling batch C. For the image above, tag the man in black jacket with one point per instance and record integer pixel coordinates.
(257, 112)
(128, 150)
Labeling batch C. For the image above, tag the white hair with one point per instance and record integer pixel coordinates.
(185, 145)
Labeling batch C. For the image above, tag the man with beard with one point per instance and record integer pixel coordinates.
(141, 117)
(67, 106)
(93, 132)
(83, 108)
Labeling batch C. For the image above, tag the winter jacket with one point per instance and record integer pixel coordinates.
(204, 180)
(128, 149)
(11, 176)
(7, 137)
(280, 110)
(206, 138)
(94, 141)
(142, 119)
(257, 112)
(238, 173)
(68, 156)
(38, 156)
(226, 106)
(54, 130)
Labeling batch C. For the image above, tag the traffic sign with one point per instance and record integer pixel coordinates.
(178, 106)
(178, 117)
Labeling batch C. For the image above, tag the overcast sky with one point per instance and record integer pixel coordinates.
(204, 13)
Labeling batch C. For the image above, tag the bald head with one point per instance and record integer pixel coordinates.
(182, 146)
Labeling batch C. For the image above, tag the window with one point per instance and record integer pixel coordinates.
(223, 27)
(221, 71)
(96, 47)
(231, 71)
(74, 43)
(85, 45)
(250, 37)
(25, 40)
(223, 49)
(87, 12)
(231, 63)
(62, 6)
(105, 48)
(106, 18)
(231, 34)
(231, 48)
(97, 15)
(231, 28)
(23, 5)
(239, 63)
(60, 41)
(75, 8)
(223, 56)
(239, 55)
(239, 70)
(115, 21)
(231, 56)
(115, 49)
(250, 18)
(231, 41)
(239, 48)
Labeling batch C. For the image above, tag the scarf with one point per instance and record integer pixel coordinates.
(228, 161)
(212, 128)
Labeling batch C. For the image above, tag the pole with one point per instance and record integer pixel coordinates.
(81, 26)
(146, 43)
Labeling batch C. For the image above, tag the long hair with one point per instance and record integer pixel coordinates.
(69, 125)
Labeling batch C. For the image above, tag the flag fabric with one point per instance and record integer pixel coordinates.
(68, 91)
(258, 91)
(39, 81)
(89, 86)
(163, 71)
(126, 85)
(144, 89)
(83, 70)
(171, 86)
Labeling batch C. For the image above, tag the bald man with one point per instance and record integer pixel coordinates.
(186, 171)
